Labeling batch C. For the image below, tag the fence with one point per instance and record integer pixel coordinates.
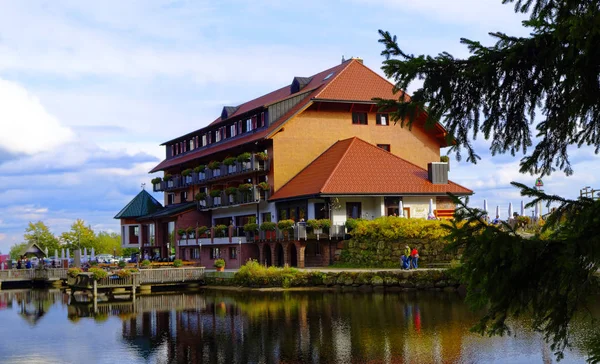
(33, 274)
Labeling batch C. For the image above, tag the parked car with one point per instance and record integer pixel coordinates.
(105, 258)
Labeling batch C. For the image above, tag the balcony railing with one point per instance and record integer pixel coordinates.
(178, 181)
(254, 195)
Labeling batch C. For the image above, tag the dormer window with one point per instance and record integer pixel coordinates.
(298, 84)
(228, 111)
(249, 125)
(232, 130)
(204, 140)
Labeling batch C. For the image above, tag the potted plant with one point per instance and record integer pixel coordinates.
(264, 186)
(200, 196)
(177, 263)
(251, 227)
(325, 224)
(200, 169)
(220, 230)
(200, 231)
(262, 156)
(156, 180)
(189, 232)
(186, 172)
(245, 187)
(229, 161)
(269, 228)
(181, 233)
(220, 265)
(145, 263)
(244, 157)
(74, 272)
(231, 190)
(315, 226)
(98, 273)
(214, 165)
(122, 264)
(167, 177)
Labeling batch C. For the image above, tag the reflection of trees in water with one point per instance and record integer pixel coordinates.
(32, 304)
(328, 327)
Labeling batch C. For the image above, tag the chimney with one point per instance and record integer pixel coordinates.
(437, 172)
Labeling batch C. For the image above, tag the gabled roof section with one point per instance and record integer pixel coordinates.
(170, 210)
(33, 248)
(299, 83)
(355, 167)
(141, 205)
(227, 111)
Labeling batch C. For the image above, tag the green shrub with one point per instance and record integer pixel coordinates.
(245, 187)
(122, 264)
(94, 263)
(201, 230)
(145, 263)
(177, 263)
(268, 226)
(98, 273)
(214, 165)
(181, 232)
(394, 228)
(250, 227)
(200, 168)
(262, 156)
(229, 161)
(156, 180)
(74, 272)
(285, 224)
(244, 157)
(186, 172)
(231, 190)
(200, 196)
(325, 223)
(351, 223)
(220, 230)
(264, 186)
(219, 263)
(313, 224)
(215, 193)
(167, 177)
(124, 273)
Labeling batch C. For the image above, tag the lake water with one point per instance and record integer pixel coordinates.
(41, 326)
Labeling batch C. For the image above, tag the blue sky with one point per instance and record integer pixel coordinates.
(88, 90)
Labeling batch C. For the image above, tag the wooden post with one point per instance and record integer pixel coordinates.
(95, 289)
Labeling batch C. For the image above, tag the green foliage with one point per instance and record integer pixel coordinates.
(200, 196)
(186, 172)
(251, 227)
(245, 187)
(351, 223)
(219, 263)
(40, 234)
(127, 252)
(199, 169)
(80, 236)
(124, 273)
(177, 263)
(215, 193)
(268, 226)
(167, 177)
(108, 243)
(244, 157)
(16, 250)
(262, 156)
(444, 159)
(285, 225)
(264, 186)
(214, 165)
(220, 230)
(145, 263)
(73, 272)
(98, 273)
(313, 224)
(254, 274)
(231, 190)
(181, 232)
(229, 161)
(201, 230)
(122, 264)
(325, 223)
(394, 228)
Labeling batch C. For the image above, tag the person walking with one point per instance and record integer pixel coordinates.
(406, 262)
(414, 258)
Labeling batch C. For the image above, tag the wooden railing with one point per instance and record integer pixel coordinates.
(32, 274)
(172, 275)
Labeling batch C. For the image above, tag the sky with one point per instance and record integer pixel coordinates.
(89, 90)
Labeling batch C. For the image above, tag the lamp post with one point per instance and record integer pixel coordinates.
(240, 258)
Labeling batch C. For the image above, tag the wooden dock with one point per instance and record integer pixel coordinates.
(143, 280)
(33, 275)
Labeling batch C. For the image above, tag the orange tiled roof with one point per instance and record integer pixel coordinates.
(355, 167)
(350, 81)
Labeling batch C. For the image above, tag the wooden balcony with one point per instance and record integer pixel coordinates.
(255, 195)
(210, 176)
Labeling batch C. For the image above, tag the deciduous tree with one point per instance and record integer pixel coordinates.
(39, 233)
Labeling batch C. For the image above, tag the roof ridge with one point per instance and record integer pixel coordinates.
(404, 93)
(339, 160)
(336, 76)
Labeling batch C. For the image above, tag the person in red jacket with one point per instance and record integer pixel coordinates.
(414, 258)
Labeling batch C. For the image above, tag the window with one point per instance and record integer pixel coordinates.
(383, 119)
(204, 140)
(321, 212)
(353, 210)
(249, 125)
(183, 196)
(170, 198)
(215, 253)
(191, 144)
(232, 130)
(217, 135)
(262, 119)
(233, 253)
(385, 147)
(195, 253)
(359, 118)
(328, 76)
(266, 216)
(172, 150)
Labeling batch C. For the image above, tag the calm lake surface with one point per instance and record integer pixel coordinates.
(41, 326)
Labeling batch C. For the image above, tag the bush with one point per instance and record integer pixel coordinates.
(215, 193)
(254, 274)
(264, 186)
(181, 232)
(186, 172)
(220, 230)
(98, 273)
(351, 223)
(167, 177)
(145, 263)
(313, 224)
(245, 187)
(122, 264)
(156, 180)
(124, 273)
(94, 263)
(395, 228)
(201, 230)
(200, 168)
(325, 223)
(214, 165)
(177, 263)
(262, 156)
(200, 196)
(74, 272)
(219, 263)
(231, 190)
(285, 224)
(250, 227)
(244, 157)
(268, 226)
(229, 161)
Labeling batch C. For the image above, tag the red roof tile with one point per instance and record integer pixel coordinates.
(353, 166)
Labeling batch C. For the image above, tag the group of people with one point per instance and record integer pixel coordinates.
(410, 258)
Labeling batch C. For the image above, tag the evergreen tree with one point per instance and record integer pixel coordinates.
(496, 92)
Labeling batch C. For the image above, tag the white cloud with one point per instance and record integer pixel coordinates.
(26, 126)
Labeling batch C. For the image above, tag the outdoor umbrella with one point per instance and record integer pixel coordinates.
(431, 215)
(68, 254)
(400, 209)
(84, 254)
(55, 254)
(485, 207)
(497, 210)
(93, 255)
(62, 254)
(510, 211)
(537, 212)
(522, 208)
